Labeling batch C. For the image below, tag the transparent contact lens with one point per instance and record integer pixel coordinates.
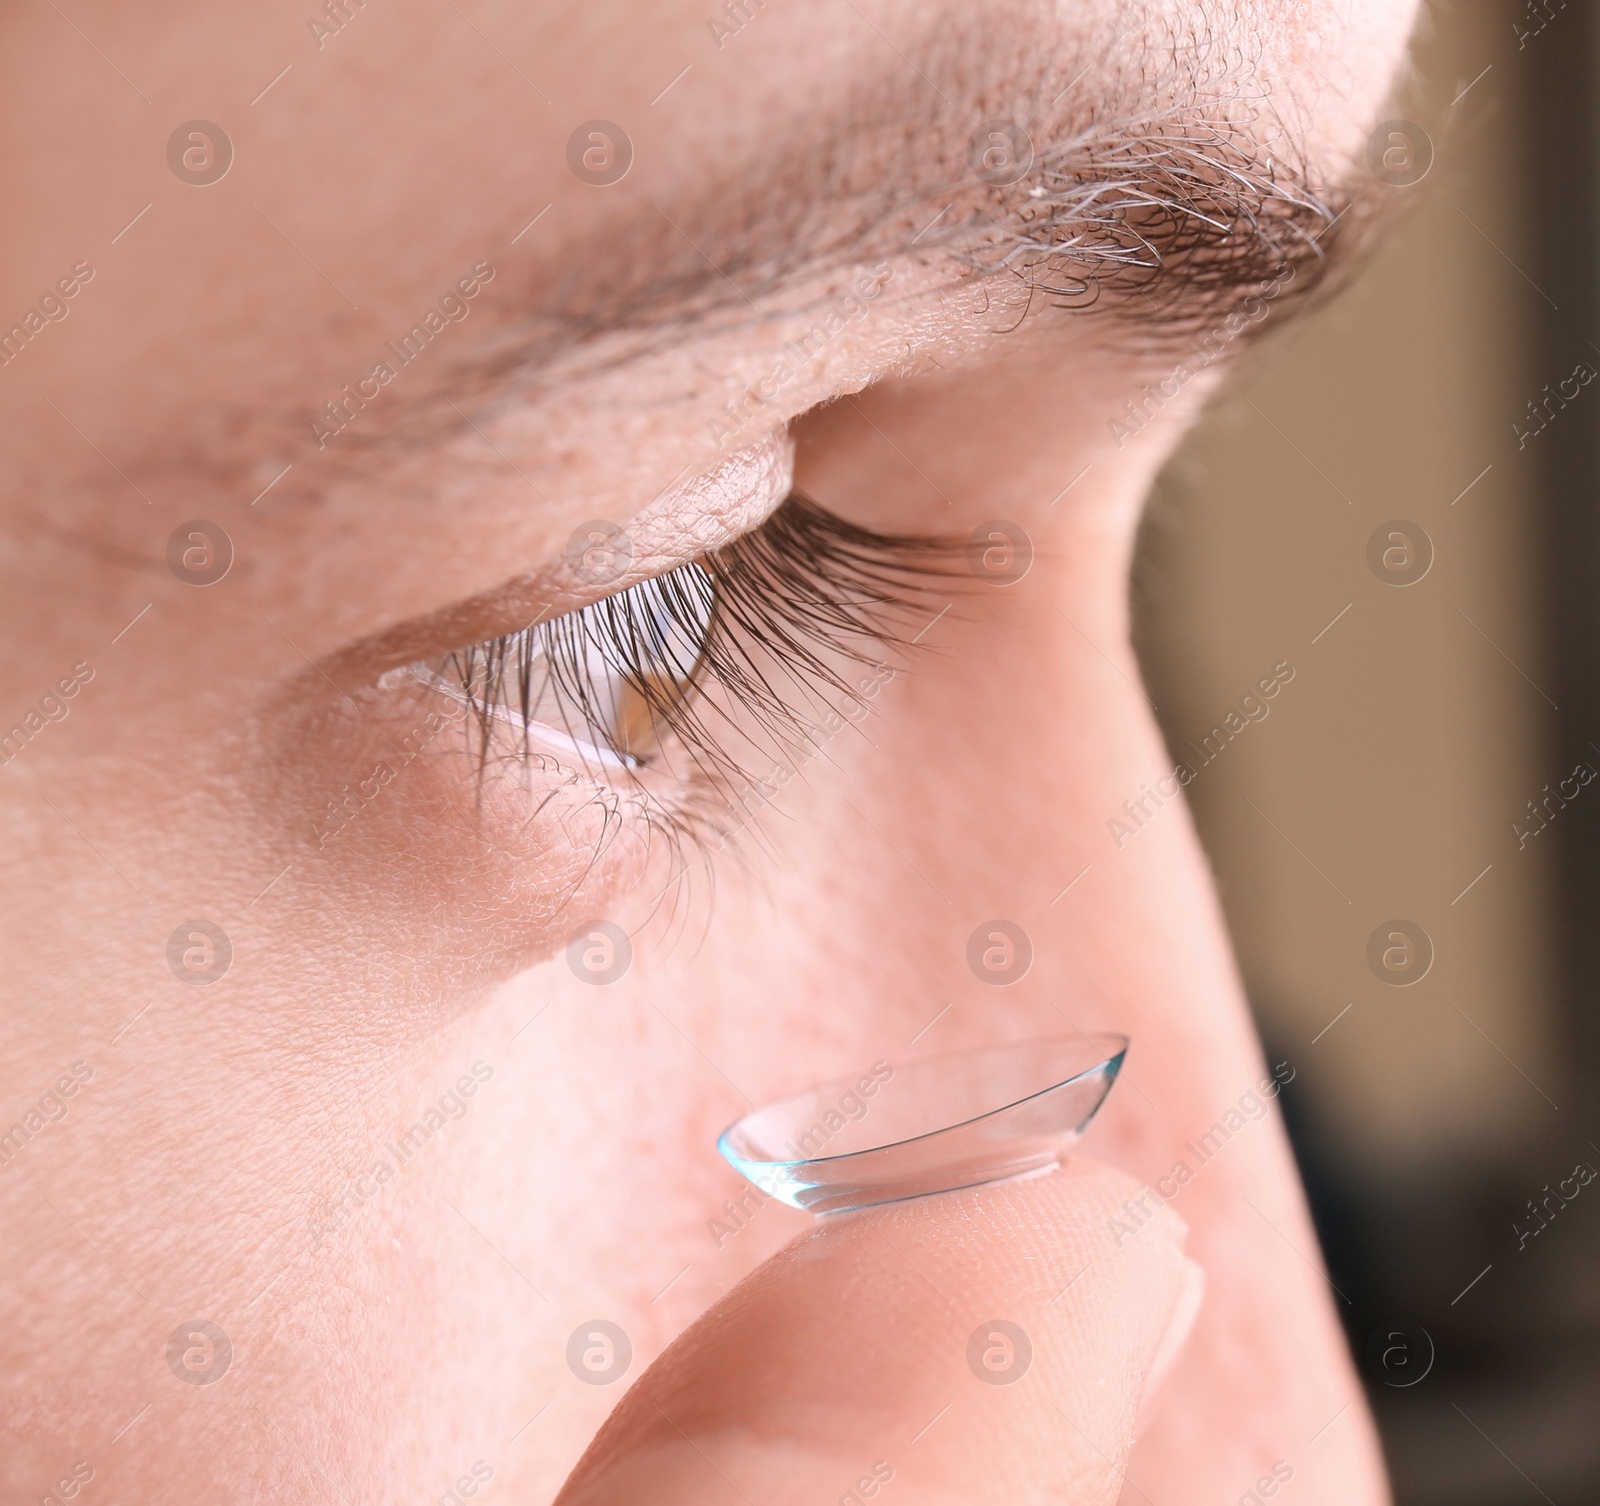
(934, 1125)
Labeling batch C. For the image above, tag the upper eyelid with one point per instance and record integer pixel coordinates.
(701, 509)
(695, 514)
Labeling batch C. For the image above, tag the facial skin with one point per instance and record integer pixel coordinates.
(380, 1350)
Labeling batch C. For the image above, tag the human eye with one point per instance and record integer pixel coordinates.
(674, 689)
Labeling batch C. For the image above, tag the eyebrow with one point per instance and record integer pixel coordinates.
(1159, 202)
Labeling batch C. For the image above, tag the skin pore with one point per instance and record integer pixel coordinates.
(386, 1340)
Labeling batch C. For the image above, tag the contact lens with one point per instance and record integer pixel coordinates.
(904, 1130)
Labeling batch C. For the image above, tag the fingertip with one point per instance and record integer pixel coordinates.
(977, 1343)
(1180, 1324)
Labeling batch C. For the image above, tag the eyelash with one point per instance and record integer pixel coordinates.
(740, 644)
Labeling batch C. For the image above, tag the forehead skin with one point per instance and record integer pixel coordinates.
(371, 173)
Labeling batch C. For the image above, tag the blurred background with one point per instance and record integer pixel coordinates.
(1376, 503)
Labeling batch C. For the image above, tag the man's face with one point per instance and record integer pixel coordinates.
(359, 340)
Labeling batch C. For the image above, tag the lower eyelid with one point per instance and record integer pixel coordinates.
(384, 794)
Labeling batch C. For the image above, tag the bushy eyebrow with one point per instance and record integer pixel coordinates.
(1162, 193)
(1156, 196)
(1163, 221)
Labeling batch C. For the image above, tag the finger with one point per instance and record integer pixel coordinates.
(986, 1345)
